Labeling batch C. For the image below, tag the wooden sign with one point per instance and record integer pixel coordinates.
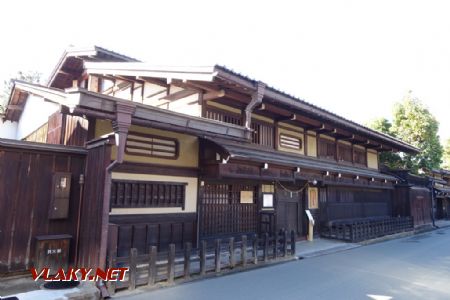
(246, 196)
(313, 198)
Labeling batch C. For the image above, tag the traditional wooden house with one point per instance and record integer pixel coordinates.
(176, 154)
(441, 184)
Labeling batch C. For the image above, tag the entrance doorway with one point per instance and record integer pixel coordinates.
(290, 210)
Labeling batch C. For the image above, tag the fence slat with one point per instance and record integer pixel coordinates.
(231, 250)
(285, 238)
(266, 247)
(203, 258)
(133, 269)
(217, 255)
(255, 249)
(152, 265)
(171, 264)
(292, 242)
(187, 260)
(244, 251)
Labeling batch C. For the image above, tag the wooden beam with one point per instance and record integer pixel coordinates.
(153, 81)
(178, 95)
(15, 107)
(213, 95)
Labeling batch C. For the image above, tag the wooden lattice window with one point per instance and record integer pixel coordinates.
(344, 152)
(359, 156)
(262, 134)
(151, 146)
(327, 148)
(130, 194)
(223, 116)
(290, 142)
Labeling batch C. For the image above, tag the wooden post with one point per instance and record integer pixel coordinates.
(285, 238)
(171, 264)
(266, 246)
(203, 258)
(132, 274)
(231, 249)
(275, 245)
(187, 260)
(112, 254)
(244, 250)
(217, 256)
(292, 242)
(255, 249)
(152, 265)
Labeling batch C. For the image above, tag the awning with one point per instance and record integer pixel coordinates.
(250, 152)
(442, 192)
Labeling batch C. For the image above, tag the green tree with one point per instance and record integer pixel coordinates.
(390, 159)
(414, 124)
(446, 156)
(29, 76)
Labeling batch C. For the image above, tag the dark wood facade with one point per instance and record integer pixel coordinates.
(26, 179)
(259, 153)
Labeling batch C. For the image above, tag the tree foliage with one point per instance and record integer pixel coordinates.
(412, 123)
(29, 76)
(446, 156)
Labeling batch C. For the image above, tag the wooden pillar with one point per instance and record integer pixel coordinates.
(217, 255)
(187, 260)
(244, 250)
(152, 266)
(171, 264)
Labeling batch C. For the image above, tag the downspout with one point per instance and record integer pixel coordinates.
(121, 125)
(257, 97)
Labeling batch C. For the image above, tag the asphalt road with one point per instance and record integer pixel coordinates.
(416, 267)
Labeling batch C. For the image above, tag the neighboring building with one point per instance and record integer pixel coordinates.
(441, 181)
(199, 153)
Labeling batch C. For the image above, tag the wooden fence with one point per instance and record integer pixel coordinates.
(166, 267)
(356, 230)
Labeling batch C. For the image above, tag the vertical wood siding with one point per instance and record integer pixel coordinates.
(25, 193)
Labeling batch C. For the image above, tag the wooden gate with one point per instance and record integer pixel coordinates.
(290, 211)
(228, 209)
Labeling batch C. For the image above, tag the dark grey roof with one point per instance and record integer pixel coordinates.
(251, 153)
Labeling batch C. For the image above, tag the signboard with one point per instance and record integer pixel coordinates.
(313, 198)
(310, 217)
(246, 196)
(267, 200)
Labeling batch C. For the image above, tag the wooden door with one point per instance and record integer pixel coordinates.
(290, 211)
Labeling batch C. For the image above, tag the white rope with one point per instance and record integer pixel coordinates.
(293, 191)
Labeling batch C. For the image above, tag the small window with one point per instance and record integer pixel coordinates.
(290, 142)
(151, 146)
(129, 194)
(359, 156)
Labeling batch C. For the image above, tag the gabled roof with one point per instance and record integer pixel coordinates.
(73, 58)
(211, 73)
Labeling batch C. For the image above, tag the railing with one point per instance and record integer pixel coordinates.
(167, 267)
(356, 230)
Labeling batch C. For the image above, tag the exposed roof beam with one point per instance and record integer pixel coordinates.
(178, 95)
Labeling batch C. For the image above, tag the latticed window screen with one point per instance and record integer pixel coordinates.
(151, 145)
(359, 156)
(262, 134)
(127, 194)
(327, 148)
(344, 152)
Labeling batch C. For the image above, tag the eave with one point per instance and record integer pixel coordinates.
(82, 102)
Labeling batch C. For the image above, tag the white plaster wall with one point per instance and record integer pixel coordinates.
(34, 115)
(8, 129)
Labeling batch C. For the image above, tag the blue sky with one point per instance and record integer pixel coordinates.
(355, 58)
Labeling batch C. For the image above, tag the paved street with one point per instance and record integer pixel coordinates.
(416, 267)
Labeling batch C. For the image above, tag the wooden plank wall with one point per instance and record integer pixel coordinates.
(67, 130)
(25, 193)
(142, 231)
(97, 160)
(347, 203)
